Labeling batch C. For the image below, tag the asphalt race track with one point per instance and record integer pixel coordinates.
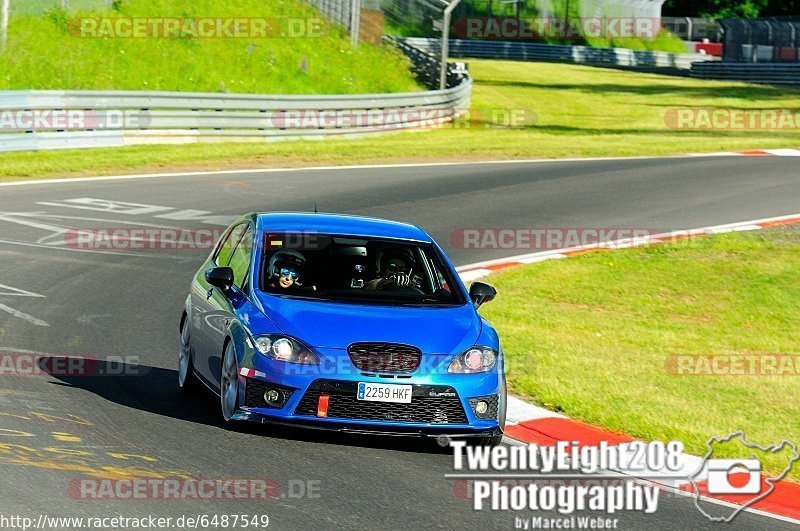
(64, 301)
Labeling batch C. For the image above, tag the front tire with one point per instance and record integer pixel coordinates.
(187, 380)
(229, 384)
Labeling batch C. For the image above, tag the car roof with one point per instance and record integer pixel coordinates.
(339, 225)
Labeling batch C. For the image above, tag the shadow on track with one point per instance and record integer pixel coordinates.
(155, 390)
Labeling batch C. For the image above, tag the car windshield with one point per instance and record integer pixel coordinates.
(354, 269)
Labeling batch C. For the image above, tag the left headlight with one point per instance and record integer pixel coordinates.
(475, 360)
(284, 348)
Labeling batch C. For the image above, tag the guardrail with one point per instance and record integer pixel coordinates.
(530, 51)
(44, 120)
(426, 65)
(767, 73)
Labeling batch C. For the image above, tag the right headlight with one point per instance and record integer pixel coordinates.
(475, 360)
(283, 348)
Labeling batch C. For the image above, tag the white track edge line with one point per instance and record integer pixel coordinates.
(538, 256)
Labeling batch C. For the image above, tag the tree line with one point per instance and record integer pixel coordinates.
(732, 8)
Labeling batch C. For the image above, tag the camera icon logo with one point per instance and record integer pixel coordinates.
(742, 477)
(734, 476)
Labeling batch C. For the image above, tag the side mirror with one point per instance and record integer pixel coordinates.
(220, 277)
(481, 293)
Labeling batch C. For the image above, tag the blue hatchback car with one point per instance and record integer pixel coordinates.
(343, 323)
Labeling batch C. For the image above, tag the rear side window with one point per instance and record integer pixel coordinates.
(225, 251)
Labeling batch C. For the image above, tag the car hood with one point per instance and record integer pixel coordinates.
(322, 324)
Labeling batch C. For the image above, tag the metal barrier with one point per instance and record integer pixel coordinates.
(527, 51)
(767, 73)
(693, 28)
(426, 65)
(43, 120)
(338, 11)
(762, 40)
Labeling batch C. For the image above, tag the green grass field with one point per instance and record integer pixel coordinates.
(571, 111)
(595, 336)
(48, 52)
(664, 42)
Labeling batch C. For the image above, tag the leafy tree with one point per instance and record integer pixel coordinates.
(732, 8)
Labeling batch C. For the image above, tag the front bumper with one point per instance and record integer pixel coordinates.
(330, 425)
(442, 405)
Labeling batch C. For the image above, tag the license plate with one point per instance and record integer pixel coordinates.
(372, 392)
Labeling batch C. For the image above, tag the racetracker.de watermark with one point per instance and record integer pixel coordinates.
(733, 365)
(142, 239)
(573, 29)
(703, 119)
(46, 365)
(548, 239)
(71, 119)
(394, 118)
(196, 28)
(193, 489)
(373, 119)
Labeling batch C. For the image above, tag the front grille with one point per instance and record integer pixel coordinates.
(254, 393)
(430, 404)
(385, 358)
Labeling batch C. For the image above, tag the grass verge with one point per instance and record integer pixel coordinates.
(283, 47)
(596, 337)
(569, 111)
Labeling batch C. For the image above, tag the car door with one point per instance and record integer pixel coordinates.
(223, 305)
(208, 303)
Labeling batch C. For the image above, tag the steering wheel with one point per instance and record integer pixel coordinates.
(400, 290)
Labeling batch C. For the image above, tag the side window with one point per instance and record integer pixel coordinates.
(240, 261)
(225, 251)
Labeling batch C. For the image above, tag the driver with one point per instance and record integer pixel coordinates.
(286, 269)
(395, 266)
